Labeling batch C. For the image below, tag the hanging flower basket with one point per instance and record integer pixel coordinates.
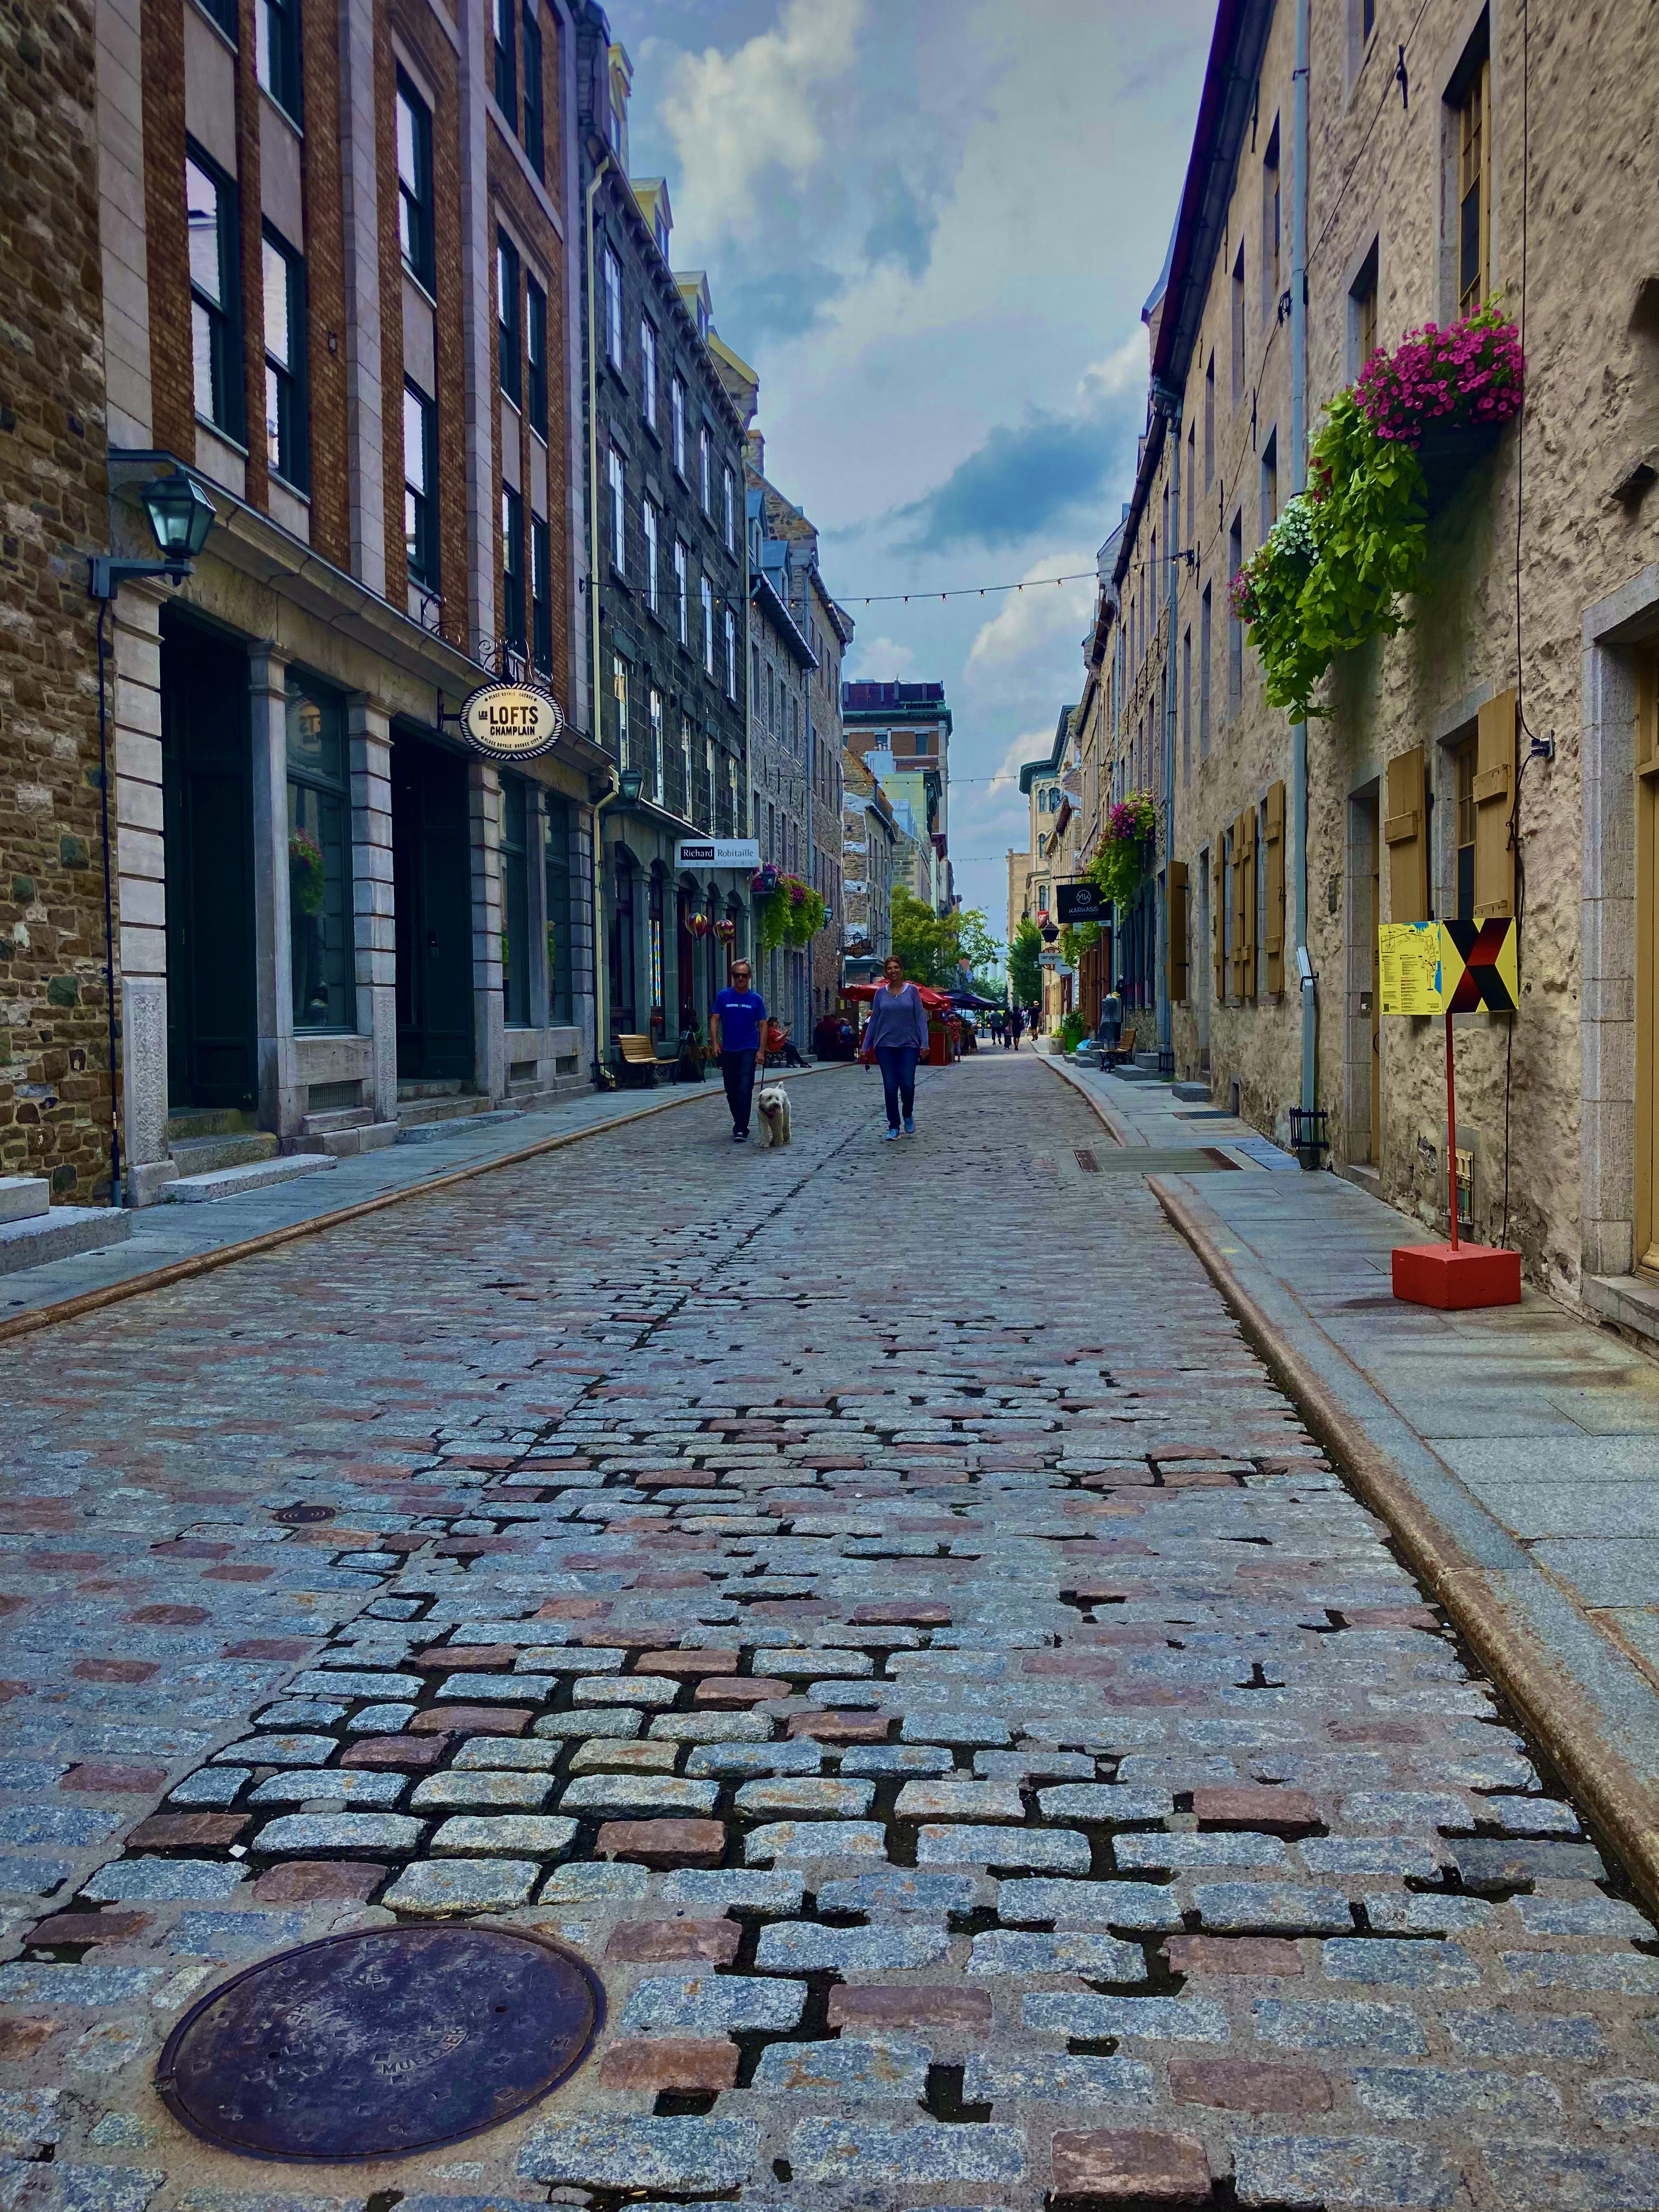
(765, 881)
(306, 874)
(791, 913)
(1446, 393)
(1119, 867)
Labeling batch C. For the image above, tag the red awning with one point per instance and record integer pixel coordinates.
(937, 1002)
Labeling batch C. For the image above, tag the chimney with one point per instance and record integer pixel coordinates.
(753, 451)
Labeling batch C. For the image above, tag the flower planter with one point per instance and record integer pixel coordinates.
(1447, 451)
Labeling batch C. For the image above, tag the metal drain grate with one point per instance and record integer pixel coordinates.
(1086, 1160)
(380, 2042)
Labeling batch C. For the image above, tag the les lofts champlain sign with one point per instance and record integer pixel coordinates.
(512, 721)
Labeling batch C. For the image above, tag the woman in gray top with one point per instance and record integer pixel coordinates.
(896, 1037)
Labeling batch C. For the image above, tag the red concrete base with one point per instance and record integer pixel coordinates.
(1454, 1277)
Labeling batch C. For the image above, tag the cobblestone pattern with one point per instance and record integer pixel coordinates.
(988, 1756)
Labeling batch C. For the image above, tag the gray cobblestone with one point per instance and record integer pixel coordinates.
(1314, 2170)
(1434, 2092)
(158, 1880)
(1278, 1908)
(1421, 1965)
(880, 2067)
(1179, 2020)
(1075, 1951)
(1089, 1905)
(1297, 2025)
(604, 2152)
(712, 2004)
(1555, 2177)
(830, 2151)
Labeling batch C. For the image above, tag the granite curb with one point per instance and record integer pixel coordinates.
(1591, 1709)
(268, 1240)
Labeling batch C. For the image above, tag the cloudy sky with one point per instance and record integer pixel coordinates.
(931, 226)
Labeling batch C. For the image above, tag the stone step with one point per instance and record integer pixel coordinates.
(192, 1122)
(197, 1156)
(1197, 1092)
(23, 1197)
(59, 1234)
(438, 1106)
(345, 1143)
(255, 1175)
(329, 1118)
(460, 1125)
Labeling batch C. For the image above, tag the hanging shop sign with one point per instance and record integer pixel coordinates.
(1448, 966)
(717, 852)
(1079, 902)
(511, 721)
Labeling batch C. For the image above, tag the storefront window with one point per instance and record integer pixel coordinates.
(654, 947)
(318, 869)
(556, 861)
(622, 950)
(515, 904)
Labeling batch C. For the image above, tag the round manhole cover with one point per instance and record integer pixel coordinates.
(297, 1516)
(388, 2040)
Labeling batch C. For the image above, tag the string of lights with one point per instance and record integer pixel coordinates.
(965, 591)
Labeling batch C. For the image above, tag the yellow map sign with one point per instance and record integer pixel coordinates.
(1448, 966)
(1410, 963)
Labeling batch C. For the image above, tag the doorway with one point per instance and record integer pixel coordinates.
(207, 811)
(1646, 1247)
(1374, 843)
(432, 890)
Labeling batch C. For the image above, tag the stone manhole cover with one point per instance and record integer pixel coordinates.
(296, 1516)
(387, 2040)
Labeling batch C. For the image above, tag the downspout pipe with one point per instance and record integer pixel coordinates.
(1298, 483)
(1172, 530)
(601, 1012)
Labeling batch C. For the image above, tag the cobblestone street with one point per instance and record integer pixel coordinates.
(871, 1603)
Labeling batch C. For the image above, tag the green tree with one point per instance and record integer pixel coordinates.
(918, 936)
(1024, 973)
(975, 943)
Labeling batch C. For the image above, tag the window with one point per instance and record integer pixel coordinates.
(1204, 651)
(276, 51)
(535, 337)
(1209, 424)
(1192, 476)
(1235, 628)
(653, 962)
(1272, 283)
(676, 412)
(211, 219)
(1367, 19)
(729, 526)
(1463, 763)
(506, 319)
(531, 134)
(415, 184)
(619, 693)
(704, 486)
(556, 864)
(618, 481)
(1151, 569)
(1474, 188)
(318, 869)
(1362, 312)
(731, 656)
(512, 569)
(707, 792)
(507, 76)
(771, 699)
(682, 588)
(1238, 326)
(421, 487)
(541, 596)
(515, 902)
(613, 309)
(686, 769)
(1186, 705)
(648, 525)
(706, 595)
(1269, 483)
(648, 370)
(754, 679)
(288, 436)
(621, 948)
(657, 763)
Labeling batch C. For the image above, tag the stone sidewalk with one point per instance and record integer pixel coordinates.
(873, 1603)
(163, 1237)
(1519, 1446)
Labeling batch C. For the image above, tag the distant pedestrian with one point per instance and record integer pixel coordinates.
(735, 1024)
(1111, 1023)
(1015, 1027)
(896, 1037)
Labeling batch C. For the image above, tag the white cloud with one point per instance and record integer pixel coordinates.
(1031, 623)
(879, 660)
(1124, 369)
(732, 117)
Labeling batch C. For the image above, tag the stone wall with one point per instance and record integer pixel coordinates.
(54, 1064)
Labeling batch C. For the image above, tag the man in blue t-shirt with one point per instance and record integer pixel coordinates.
(735, 1023)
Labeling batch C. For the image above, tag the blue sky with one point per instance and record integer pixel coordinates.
(931, 225)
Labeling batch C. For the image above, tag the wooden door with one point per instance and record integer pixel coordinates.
(1374, 1151)
(207, 799)
(432, 889)
(1646, 1241)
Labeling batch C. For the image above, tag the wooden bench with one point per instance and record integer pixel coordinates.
(1124, 1050)
(638, 1059)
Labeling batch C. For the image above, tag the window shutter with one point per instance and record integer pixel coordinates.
(1247, 884)
(1236, 886)
(1404, 833)
(1218, 922)
(1494, 797)
(1176, 899)
(1273, 924)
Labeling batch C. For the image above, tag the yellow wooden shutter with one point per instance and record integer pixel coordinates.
(1176, 897)
(1247, 949)
(1405, 832)
(1273, 921)
(1494, 799)
(1219, 919)
(1236, 900)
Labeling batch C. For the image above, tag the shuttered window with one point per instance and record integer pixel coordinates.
(1405, 832)
(1177, 904)
(1218, 920)
(1494, 796)
(1273, 920)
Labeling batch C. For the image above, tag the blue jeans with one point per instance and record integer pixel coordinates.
(898, 1063)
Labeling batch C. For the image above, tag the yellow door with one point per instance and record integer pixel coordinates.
(1647, 965)
(1374, 1154)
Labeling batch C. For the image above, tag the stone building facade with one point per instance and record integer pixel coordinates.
(870, 864)
(1537, 627)
(782, 664)
(339, 293)
(903, 732)
(54, 1027)
(662, 464)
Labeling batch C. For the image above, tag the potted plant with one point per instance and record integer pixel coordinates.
(1118, 866)
(1446, 393)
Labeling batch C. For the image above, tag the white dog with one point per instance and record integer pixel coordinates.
(773, 1104)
